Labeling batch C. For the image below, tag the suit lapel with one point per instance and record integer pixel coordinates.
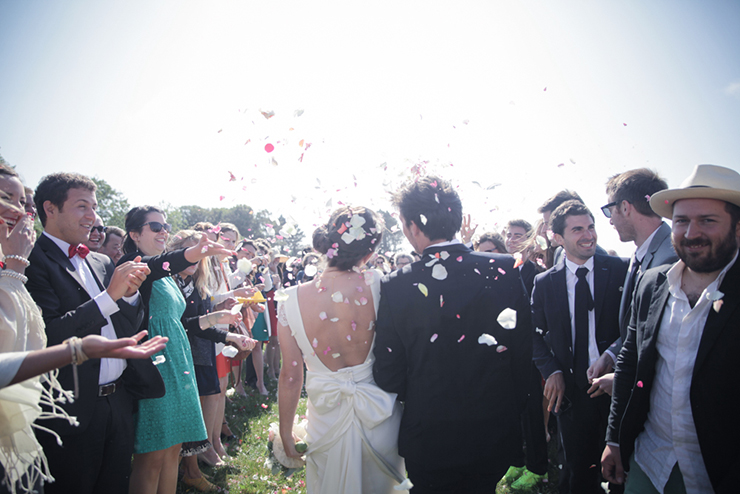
(663, 231)
(655, 312)
(560, 288)
(97, 270)
(54, 253)
(719, 321)
(601, 280)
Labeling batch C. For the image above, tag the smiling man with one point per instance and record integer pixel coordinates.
(575, 309)
(673, 422)
(81, 293)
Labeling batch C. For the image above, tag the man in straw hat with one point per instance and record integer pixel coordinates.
(673, 421)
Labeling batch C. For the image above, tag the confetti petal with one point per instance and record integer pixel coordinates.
(432, 262)
(244, 265)
(423, 289)
(487, 339)
(639, 384)
(372, 323)
(439, 272)
(476, 270)
(159, 359)
(337, 297)
(441, 301)
(349, 338)
(715, 295)
(229, 352)
(334, 319)
(269, 147)
(423, 219)
(335, 355)
(166, 266)
(363, 300)
(507, 318)
(717, 305)
(295, 364)
(389, 349)
(322, 316)
(315, 343)
(501, 348)
(444, 255)
(541, 242)
(501, 271)
(354, 326)
(280, 296)
(433, 338)
(459, 259)
(461, 338)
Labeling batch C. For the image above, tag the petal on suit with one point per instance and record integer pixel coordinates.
(507, 318)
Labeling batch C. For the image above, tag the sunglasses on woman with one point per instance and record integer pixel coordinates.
(156, 226)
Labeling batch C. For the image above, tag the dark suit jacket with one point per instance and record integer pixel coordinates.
(462, 398)
(68, 311)
(660, 252)
(528, 272)
(551, 315)
(715, 398)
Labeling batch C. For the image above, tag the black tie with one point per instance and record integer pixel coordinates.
(584, 304)
(630, 285)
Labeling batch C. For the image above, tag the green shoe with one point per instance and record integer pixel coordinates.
(513, 474)
(527, 481)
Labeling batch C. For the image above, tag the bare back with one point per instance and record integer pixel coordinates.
(338, 313)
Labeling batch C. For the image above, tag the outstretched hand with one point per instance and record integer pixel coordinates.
(206, 247)
(96, 346)
(466, 232)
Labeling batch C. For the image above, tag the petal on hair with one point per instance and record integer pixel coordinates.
(347, 238)
(423, 219)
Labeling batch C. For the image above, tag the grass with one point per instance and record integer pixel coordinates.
(249, 419)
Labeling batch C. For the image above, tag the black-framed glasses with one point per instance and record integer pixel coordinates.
(156, 226)
(99, 229)
(606, 209)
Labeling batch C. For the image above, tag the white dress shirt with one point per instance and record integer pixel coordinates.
(571, 279)
(110, 368)
(670, 434)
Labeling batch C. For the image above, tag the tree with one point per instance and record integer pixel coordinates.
(392, 234)
(112, 205)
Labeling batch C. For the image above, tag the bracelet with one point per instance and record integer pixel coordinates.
(78, 357)
(22, 259)
(14, 274)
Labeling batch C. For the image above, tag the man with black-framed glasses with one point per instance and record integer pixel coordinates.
(630, 213)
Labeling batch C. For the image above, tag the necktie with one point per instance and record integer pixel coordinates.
(584, 304)
(630, 285)
(80, 249)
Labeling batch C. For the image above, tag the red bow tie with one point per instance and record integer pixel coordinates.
(82, 250)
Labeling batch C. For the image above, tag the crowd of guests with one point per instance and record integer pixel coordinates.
(213, 297)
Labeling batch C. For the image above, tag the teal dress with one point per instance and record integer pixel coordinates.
(176, 417)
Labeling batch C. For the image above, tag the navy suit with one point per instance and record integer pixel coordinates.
(582, 426)
(462, 398)
(714, 395)
(68, 311)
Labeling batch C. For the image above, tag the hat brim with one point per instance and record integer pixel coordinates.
(662, 202)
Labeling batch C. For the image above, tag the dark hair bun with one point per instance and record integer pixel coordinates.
(321, 242)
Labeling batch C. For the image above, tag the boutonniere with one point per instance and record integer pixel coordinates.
(716, 298)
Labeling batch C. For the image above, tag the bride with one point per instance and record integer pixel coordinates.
(329, 323)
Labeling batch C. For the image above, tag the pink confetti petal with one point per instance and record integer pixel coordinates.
(363, 300)
(328, 349)
(461, 338)
(166, 266)
(389, 349)
(476, 270)
(263, 405)
(322, 316)
(295, 364)
(349, 338)
(354, 326)
(501, 271)
(433, 338)
(501, 348)
(459, 259)
(315, 343)
(441, 301)
(639, 384)
(269, 147)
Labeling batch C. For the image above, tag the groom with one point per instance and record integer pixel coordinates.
(454, 341)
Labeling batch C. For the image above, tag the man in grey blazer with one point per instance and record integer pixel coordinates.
(630, 213)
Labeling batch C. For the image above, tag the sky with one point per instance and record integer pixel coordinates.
(509, 100)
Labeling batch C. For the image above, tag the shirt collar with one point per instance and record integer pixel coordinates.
(642, 250)
(454, 241)
(675, 274)
(572, 267)
(59, 242)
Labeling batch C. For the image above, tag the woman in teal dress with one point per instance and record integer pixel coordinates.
(163, 424)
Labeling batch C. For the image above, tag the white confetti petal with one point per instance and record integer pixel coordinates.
(444, 255)
(439, 272)
(334, 319)
(507, 318)
(310, 270)
(423, 219)
(432, 262)
(244, 265)
(280, 296)
(347, 238)
(487, 339)
(229, 351)
(159, 359)
(337, 297)
(715, 295)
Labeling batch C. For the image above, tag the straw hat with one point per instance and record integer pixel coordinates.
(706, 182)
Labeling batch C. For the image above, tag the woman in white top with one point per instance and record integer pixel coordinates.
(328, 324)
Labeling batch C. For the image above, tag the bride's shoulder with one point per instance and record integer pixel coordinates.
(372, 276)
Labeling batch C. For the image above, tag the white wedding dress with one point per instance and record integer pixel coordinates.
(352, 423)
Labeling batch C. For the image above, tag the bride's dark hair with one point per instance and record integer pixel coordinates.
(350, 234)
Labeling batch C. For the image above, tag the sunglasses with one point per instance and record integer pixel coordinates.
(605, 209)
(99, 229)
(156, 226)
